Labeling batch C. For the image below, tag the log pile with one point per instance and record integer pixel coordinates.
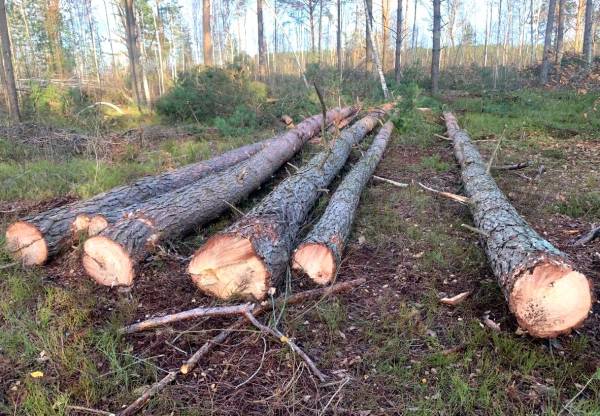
(112, 256)
(250, 256)
(543, 289)
(34, 239)
(320, 252)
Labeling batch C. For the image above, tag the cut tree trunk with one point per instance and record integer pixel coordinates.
(251, 255)
(111, 257)
(320, 252)
(34, 239)
(99, 222)
(546, 294)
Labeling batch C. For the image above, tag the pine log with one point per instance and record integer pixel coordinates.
(544, 291)
(251, 255)
(34, 239)
(320, 252)
(112, 256)
(99, 222)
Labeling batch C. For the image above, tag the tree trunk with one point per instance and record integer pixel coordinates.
(375, 53)
(339, 36)
(157, 38)
(207, 47)
(320, 30)
(560, 33)
(368, 24)
(249, 257)
(548, 42)
(532, 31)
(399, 34)
(488, 26)
(579, 24)
(110, 42)
(111, 257)
(132, 52)
(588, 33)
(414, 29)
(385, 8)
(262, 46)
(435, 51)
(547, 296)
(36, 238)
(9, 74)
(320, 252)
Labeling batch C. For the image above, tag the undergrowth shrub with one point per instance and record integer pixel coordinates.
(201, 94)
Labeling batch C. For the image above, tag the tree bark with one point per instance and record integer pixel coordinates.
(262, 46)
(579, 24)
(339, 36)
(111, 257)
(588, 33)
(250, 256)
(207, 47)
(385, 10)
(320, 252)
(375, 54)
(132, 52)
(399, 35)
(36, 238)
(544, 292)
(9, 74)
(368, 24)
(435, 51)
(548, 42)
(560, 33)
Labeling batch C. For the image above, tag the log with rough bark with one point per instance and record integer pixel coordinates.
(99, 222)
(543, 289)
(111, 257)
(34, 239)
(320, 252)
(250, 256)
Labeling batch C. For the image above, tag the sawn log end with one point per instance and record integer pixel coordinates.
(25, 243)
(107, 262)
(317, 261)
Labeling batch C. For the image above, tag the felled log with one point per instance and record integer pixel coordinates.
(34, 239)
(111, 257)
(320, 252)
(543, 289)
(99, 222)
(250, 256)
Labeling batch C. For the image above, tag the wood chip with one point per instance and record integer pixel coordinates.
(455, 300)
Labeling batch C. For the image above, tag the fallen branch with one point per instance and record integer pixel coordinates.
(455, 300)
(514, 166)
(104, 103)
(279, 335)
(191, 363)
(189, 314)
(391, 182)
(439, 136)
(459, 198)
(82, 409)
(592, 235)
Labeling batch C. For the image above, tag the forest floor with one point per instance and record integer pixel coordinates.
(390, 345)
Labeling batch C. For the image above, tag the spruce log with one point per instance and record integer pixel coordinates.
(99, 222)
(544, 291)
(320, 252)
(251, 255)
(111, 257)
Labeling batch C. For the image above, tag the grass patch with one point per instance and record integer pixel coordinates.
(580, 205)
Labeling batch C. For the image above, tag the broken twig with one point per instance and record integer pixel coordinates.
(455, 300)
(390, 181)
(514, 166)
(459, 198)
(592, 235)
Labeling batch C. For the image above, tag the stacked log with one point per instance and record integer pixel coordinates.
(34, 239)
(251, 255)
(319, 254)
(112, 256)
(543, 289)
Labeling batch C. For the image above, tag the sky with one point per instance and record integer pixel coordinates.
(476, 10)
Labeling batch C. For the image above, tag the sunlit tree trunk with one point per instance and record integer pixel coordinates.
(398, 51)
(548, 42)
(92, 29)
(320, 29)
(161, 69)
(579, 24)
(8, 71)
(385, 7)
(207, 47)
(339, 36)
(435, 50)
(588, 33)
(413, 40)
(497, 46)
(52, 23)
(132, 52)
(559, 48)
(262, 47)
(368, 26)
(488, 24)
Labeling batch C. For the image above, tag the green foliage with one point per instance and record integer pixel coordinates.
(242, 121)
(581, 205)
(204, 93)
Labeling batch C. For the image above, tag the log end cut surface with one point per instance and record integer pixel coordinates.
(107, 262)
(97, 224)
(317, 261)
(80, 224)
(551, 300)
(26, 243)
(227, 267)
